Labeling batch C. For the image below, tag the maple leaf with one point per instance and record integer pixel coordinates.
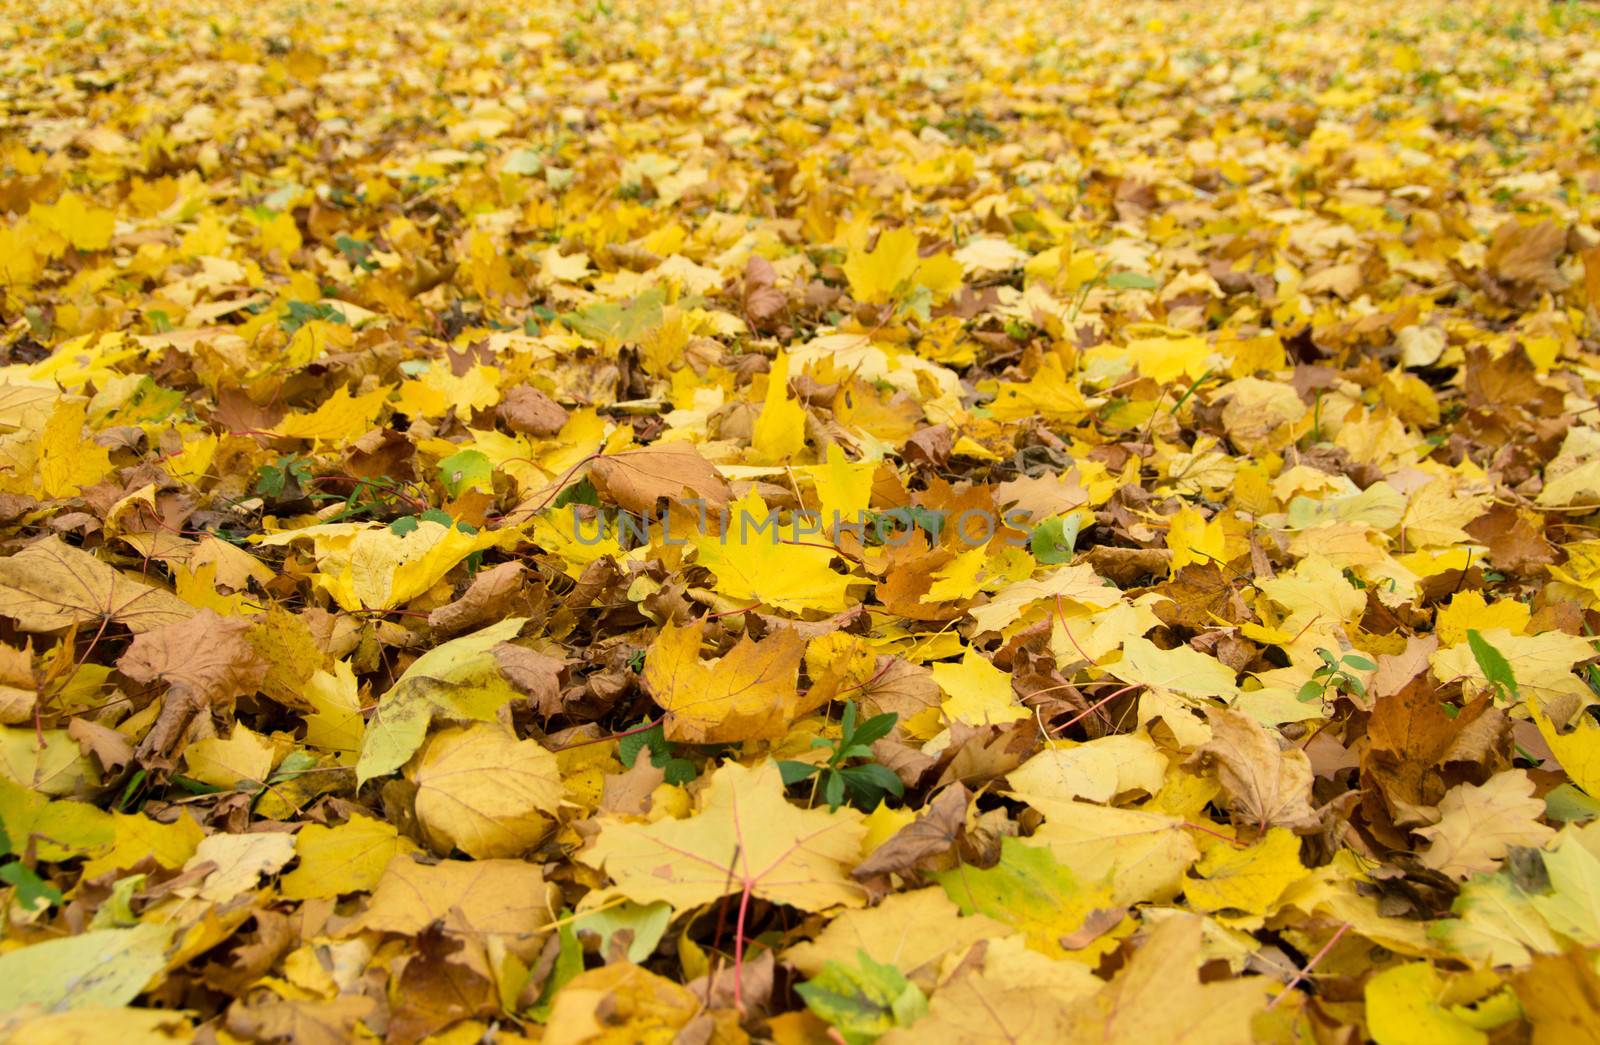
(977, 692)
(1249, 879)
(372, 567)
(50, 585)
(749, 694)
(1030, 890)
(1158, 996)
(206, 653)
(1265, 784)
(348, 858)
(636, 479)
(312, 395)
(753, 564)
(483, 791)
(1478, 824)
(1014, 995)
(912, 930)
(746, 838)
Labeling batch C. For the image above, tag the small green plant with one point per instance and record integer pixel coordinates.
(357, 252)
(676, 770)
(299, 313)
(863, 1000)
(284, 478)
(1336, 674)
(864, 783)
(32, 891)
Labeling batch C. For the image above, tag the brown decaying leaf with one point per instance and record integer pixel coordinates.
(1266, 785)
(636, 479)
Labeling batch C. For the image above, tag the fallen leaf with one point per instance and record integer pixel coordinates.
(749, 694)
(1265, 785)
(483, 791)
(49, 585)
(745, 837)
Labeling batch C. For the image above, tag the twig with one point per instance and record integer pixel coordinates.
(1312, 964)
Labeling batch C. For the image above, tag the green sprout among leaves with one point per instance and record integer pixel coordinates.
(866, 783)
(1336, 674)
(676, 770)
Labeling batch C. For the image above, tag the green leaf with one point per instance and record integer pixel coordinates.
(869, 783)
(1310, 691)
(847, 725)
(1492, 663)
(654, 738)
(100, 969)
(615, 323)
(523, 161)
(1360, 663)
(874, 729)
(1131, 281)
(569, 964)
(580, 492)
(32, 891)
(1054, 541)
(676, 770)
(865, 1000)
(794, 772)
(644, 925)
(466, 470)
(833, 789)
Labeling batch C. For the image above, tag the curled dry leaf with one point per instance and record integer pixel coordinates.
(636, 479)
(1264, 784)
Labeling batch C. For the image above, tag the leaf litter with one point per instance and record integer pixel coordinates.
(617, 522)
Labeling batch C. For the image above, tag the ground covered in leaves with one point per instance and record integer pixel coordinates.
(807, 522)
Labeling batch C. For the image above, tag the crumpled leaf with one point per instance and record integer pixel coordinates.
(1264, 784)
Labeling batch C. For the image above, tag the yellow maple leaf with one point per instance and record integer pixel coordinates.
(745, 836)
(976, 692)
(780, 431)
(67, 460)
(1193, 539)
(755, 563)
(77, 222)
(1248, 879)
(483, 791)
(369, 566)
(336, 724)
(243, 756)
(349, 858)
(341, 418)
(875, 275)
(750, 694)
